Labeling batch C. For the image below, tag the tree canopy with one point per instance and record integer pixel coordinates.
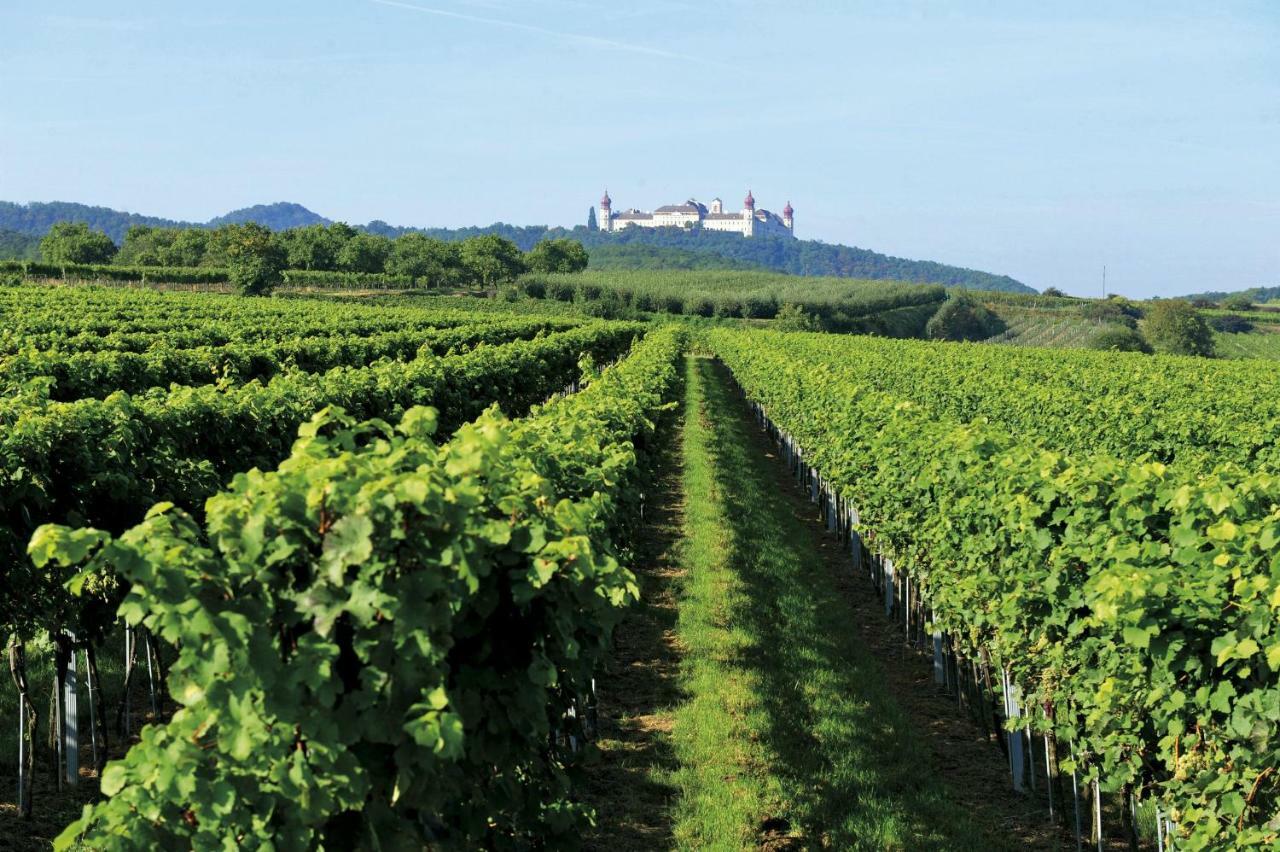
(1175, 327)
(75, 242)
(557, 256)
(256, 261)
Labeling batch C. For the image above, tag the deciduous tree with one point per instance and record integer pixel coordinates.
(75, 242)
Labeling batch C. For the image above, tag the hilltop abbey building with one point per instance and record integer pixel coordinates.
(749, 221)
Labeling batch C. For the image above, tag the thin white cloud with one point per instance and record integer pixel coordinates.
(589, 40)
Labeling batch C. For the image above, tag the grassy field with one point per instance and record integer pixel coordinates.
(1262, 342)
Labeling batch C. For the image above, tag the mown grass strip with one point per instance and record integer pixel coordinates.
(789, 738)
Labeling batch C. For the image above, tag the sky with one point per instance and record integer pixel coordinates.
(1039, 140)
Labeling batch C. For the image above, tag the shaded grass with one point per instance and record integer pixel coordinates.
(629, 787)
(789, 738)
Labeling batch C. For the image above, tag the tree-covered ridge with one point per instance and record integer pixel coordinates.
(717, 250)
(1255, 295)
(18, 246)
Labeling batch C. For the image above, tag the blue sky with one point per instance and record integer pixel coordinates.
(1041, 140)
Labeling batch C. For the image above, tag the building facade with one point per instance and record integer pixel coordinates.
(749, 222)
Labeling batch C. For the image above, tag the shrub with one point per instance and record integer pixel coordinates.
(1109, 312)
(702, 307)
(793, 317)
(759, 307)
(1238, 302)
(534, 288)
(1119, 338)
(561, 291)
(1174, 326)
(673, 304)
(609, 306)
(728, 307)
(589, 292)
(645, 302)
(1231, 324)
(1052, 291)
(960, 318)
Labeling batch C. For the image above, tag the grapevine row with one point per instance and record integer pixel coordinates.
(1174, 409)
(75, 375)
(386, 641)
(1133, 604)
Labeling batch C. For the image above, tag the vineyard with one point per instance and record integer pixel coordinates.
(436, 572)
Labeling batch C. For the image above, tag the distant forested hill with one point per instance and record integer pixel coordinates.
(635, 248)
(277, 217)
(36, 218)
(16, 246)
(1258, 295)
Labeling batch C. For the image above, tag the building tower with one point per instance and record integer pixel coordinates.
(606, 215)
(748, 214)
(787, 214)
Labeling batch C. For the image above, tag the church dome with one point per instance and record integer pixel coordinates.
(750, 200)
(605, 200)
(787, 211)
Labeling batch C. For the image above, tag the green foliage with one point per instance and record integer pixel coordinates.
(74, 242)
(557, 256)
(960, 318)
(837, 304)
(1231, 324)
(1052, 291)
(637, 256)
(105, 461)
(591, 219)
(1134, 602)
(417, 257)
(256, 262)
(386, 641)
(1174, 326)
(1119, 338)
(17, 246)
(490, 260)
(364, 253)
(1237, 302)
(792, 317)
(1112, 311)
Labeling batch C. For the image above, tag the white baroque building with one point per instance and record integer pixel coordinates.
(749, 221)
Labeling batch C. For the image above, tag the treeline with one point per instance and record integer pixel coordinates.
(778, 254)
(314, 253)
(1253, 295)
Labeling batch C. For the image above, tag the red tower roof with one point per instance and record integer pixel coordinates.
(605, 200)
(787, 211)
(749, 201)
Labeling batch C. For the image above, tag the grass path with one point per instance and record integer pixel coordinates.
(789, 738)
(783, 713)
